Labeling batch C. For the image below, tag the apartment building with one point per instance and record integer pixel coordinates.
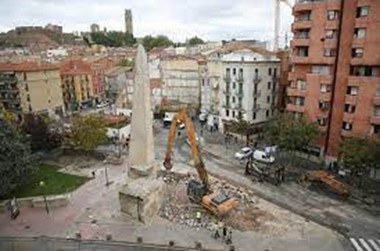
(335, 77)
(30, 87)
(77, 84)
(180, 78)
(250, 86)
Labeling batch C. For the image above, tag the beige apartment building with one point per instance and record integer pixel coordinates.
(30, 87)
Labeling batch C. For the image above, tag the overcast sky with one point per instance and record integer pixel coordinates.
(179, 19)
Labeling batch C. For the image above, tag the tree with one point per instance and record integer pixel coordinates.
(126, 62)
(16, 161)
(359, 155)
(242, 127)
(88, 132)
(41, 137)
(195, 40)
(150, 42)
(289, 133)
(113, 38)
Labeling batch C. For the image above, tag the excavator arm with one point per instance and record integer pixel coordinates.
(182, 117)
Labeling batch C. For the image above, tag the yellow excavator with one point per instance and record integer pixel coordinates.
(198, 191)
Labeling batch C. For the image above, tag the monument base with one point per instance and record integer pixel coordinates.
(142, 198)
(136, 172)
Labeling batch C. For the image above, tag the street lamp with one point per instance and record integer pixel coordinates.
(42, 185)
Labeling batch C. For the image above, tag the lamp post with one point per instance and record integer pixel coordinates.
(42, 185)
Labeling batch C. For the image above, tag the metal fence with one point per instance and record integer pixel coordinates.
(61, 244)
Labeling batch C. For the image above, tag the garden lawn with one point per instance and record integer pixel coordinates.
(55, 182)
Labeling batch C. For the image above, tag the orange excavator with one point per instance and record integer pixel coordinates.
(198, 191)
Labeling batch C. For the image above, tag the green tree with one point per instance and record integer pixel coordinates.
(150, 42)
(126, 62)
(88, 132)
(289, 133)
(195, 40)
(242, 127)
(41, 137)
(113, 38)
(359, 155)
(16, 161)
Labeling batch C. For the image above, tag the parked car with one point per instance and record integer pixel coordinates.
(261, 156)
(243, 153)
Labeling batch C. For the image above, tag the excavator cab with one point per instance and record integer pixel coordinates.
(196, 190)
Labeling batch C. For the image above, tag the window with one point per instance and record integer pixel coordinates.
(300, 101)
(303, 16)
(321, 69)
(274, 72)
(329, 52)
(241, 72)
(302, 51)
(256, 71)
(357, 52)
(228, 72)
(359, 33)
(233, 114)
(24, 76)
(322, 121)
(324, 105)
(234, 71)
(254, 115)
(377, 92)
(362, 11)
(233, 85)
(332, 15)
(331, 34)
(274, 86)
(267, 113)
(26, 87)
(367, 71)
(376, 129)
(233, 99)
(349, 108)
(377, 111)
(30, 108)
(269, 85)
(352, 90)
(302, 33)
(346, 126)
(227, 100)
(240, 115)
(28, 97)
(301, 84)
(203, 82)
(227, 113)
(269, 71)
(325, 88)
(268, 99)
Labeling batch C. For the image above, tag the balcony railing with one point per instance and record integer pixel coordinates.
(256, 94)
(240, 78)
(256, 107)
(239, 93)
(227, 78)
(226, 105)
(256, 79)
(227, 91)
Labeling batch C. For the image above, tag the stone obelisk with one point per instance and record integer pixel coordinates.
(141, 197)
(141, 154)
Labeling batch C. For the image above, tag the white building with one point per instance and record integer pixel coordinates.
(250, 84)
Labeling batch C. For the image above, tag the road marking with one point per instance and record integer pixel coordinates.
(373, 243)
(367, 247)
(356, 244)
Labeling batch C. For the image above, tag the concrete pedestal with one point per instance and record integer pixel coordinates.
(142, 171)
(142, 198)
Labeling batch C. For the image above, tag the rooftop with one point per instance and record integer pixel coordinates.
(27, 66)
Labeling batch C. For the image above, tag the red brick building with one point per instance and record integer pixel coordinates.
(335, 76)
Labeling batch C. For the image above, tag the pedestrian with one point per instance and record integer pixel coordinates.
(216, 231)
(229, 237)
(201, 132)
(93, 174)
(236, 139)
(224, 232)
(179, 134)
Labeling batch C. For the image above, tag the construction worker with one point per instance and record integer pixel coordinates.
(198, 216)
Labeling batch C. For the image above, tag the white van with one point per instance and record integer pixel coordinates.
(263, 157)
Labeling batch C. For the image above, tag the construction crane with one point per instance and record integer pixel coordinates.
(277, 21)
(217, 203)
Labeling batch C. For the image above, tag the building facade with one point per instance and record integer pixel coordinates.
(77, 87)
(249, 91)
(335, 77)
(29, 87)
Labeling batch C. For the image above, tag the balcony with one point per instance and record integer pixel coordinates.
(226, 105)
(325, 96)
(256, 79)
(240, 78)
(332, 24)
(304, 24)
(227, 92)
(348, 117)
(299, 59)
(239, 93)
(300, 42)
(295, 108)
(351, 99)
(256, 94)
(291, 91)
(346, 133)
(227, 79)
(375, 120)
(376, 100)
(256, 107)
(302, 5)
